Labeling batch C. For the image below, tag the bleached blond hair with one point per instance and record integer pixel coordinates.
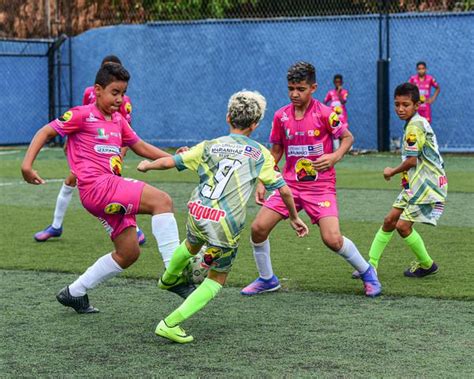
(246, 108)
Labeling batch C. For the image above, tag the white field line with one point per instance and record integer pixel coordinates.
(23, 182)
(7, 152)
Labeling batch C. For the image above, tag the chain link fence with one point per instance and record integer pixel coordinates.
(187, 57)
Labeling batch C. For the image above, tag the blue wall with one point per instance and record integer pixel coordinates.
(446, 43)
(183, 74)
(23, 92)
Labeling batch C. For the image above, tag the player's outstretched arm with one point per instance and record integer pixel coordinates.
(277, 152)
(41, 137)
(146, 150)
(160, 164)
(296, 223)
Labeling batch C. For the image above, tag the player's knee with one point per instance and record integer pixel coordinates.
(403, 228)
(334, 241)
(389, 223)
(127, 258)
(162, 203)
(259, 232)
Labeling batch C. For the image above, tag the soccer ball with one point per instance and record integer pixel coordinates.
(196, 270)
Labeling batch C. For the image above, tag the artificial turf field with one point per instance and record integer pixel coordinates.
(320, 324)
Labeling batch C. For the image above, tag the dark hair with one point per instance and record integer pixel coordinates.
(420, 63)
(111, 72)
(408, 89)
(337, 76)
(301, 71)
(111, 59)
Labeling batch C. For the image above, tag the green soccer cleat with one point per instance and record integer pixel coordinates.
(175, 333)
(180, 286)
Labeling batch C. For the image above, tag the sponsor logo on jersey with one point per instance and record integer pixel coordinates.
(305, 150)
(324, 204)
(226, 149)
(92, 118)
(314, 133)
(101, 134)
(67, 116)
(107, 149)
(115, 208)
(334, 120)
(116, 165)
(442, 181)
(202, 212)
(288, 134)
(305, 171)
(128, 108)
(284, 117)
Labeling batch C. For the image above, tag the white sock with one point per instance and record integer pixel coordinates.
(350, 253)
(165, 230)
(103, 269)
(62, 202)
(261, 253)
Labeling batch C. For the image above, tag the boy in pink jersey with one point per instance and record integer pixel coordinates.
(304, 131)
(96, 132)
(425, 82)
(66, 191)
(337, 98)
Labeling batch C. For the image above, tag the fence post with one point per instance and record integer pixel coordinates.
(383, 82)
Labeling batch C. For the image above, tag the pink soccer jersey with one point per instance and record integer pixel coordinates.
(333, 98)
(93, 143)
(125, 109)
(424, 86)
(306, 140)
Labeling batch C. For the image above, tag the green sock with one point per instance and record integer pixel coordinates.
(379, 244)
(196, 301)
(178, 262)
(416, 244)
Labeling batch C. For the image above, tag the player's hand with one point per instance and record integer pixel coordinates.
(325, 162)
(387, 173)
(182, 149)
(429, 100)
(260, 193)
(31, 176)
(300, 227)
(143, 166)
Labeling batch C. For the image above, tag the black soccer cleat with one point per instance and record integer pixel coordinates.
(180, 287)
(183, 290)
(80, 303)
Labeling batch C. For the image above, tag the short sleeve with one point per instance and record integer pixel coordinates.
(334, 125)
(276, 134)
(190, 159)
(411, 80)
(434, 83)
(70, 122)
(129, 137)
(268, 176)
(414, 140)
(86, 98)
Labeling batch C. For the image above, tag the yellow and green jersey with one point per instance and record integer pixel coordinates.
(228, 168)
(426, 182)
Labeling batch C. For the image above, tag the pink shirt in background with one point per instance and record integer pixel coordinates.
(125, 109)
(424, 86)
(333, 99)
(306, 140)
(93, 143)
